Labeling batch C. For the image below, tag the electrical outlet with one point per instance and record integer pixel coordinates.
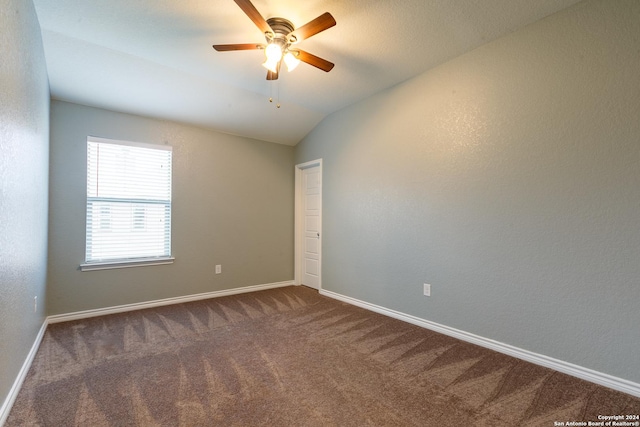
(218, 269)
(35, 304)
(427, 290)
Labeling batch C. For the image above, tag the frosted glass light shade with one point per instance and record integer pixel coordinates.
(273, 53)
(291, 61)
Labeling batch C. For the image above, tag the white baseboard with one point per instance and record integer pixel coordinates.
(17, 384)
(606, 380)
(167, 301)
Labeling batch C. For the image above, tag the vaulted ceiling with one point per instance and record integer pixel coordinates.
(154, 57)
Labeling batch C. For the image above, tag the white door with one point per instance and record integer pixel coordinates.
(309, 218)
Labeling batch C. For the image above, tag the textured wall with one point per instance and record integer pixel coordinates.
(24, 151)
(509, 179)
(232, 205)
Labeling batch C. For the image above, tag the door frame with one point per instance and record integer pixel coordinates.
(299, 222)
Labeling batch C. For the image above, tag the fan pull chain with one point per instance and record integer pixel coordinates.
(275, 82)
(271, 91)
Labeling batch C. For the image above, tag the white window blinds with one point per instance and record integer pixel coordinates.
(128, 201)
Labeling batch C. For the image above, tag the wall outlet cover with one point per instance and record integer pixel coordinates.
(427, 289)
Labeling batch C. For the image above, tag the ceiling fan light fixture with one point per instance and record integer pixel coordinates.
(273, 54)
(291, 61)
(271, 65)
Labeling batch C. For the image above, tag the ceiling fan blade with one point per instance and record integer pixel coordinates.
(271, 75)
(250, 10)
(321, 23)
(316, 61)
(242, 46)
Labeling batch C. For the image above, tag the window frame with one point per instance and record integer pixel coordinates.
(117, 263)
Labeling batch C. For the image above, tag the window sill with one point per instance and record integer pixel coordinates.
(110, 265)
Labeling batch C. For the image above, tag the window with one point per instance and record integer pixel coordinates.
(128, 204)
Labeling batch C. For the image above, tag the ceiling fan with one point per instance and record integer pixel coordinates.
(281, 36)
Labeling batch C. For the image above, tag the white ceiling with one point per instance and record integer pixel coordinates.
(154, 57)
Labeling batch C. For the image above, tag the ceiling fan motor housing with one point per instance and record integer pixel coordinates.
(281, 28)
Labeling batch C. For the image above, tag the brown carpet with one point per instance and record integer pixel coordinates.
(288, 357)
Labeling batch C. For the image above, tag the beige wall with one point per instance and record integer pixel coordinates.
(24, 135)
(508, 179)
(232, 205)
